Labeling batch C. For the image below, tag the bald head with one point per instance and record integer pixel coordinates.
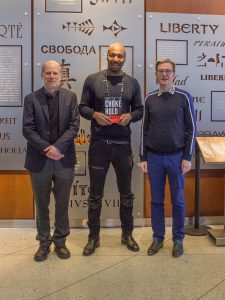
(117, 47)
(116, 57)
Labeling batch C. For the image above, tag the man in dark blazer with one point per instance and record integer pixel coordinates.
(50, 124)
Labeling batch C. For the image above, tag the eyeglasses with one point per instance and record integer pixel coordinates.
(166, 71)
(113, 55)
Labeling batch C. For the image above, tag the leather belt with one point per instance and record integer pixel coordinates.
(114, 142)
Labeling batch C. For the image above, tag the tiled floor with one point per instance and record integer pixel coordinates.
(113, 272)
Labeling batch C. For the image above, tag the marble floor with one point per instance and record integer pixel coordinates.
(113, 272)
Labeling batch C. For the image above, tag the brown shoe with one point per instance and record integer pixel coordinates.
(154, 248)
(42, 253)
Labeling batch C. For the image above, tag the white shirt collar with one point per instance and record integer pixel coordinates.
(171, 91)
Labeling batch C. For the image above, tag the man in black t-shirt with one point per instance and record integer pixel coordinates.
(111, 99)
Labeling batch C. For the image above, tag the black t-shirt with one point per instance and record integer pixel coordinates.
(53, 109)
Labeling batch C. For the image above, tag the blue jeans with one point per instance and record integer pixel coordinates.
(100, 156)
(160, 165)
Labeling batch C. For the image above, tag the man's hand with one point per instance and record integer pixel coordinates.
(53, 153)
(186, 166)
(143, 166)
(124, 119)
(101, 119)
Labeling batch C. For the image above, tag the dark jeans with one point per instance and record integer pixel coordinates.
(53, 178)
(100, 156)
(159, 166)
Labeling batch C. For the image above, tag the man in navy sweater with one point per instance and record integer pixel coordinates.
(168, 138)
(111, 99)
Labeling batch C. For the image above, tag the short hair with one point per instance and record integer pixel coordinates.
(163, 61)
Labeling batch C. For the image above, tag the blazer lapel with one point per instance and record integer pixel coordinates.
(43, 101)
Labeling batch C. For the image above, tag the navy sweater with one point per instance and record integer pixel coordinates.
(169, 124)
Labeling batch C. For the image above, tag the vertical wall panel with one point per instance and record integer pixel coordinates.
(78, 39)
(212, 181)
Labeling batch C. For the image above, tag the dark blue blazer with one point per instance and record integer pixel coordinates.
(36, 128)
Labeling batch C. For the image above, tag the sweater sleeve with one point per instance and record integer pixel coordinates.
(86, 106)
(136, 105)
(190, 125)
(144, 133)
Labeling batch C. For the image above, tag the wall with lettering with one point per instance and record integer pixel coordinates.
(15, 79)
(196, 43)
(76, 33)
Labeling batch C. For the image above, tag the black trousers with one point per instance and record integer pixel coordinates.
(100, 155)
(53, 178)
